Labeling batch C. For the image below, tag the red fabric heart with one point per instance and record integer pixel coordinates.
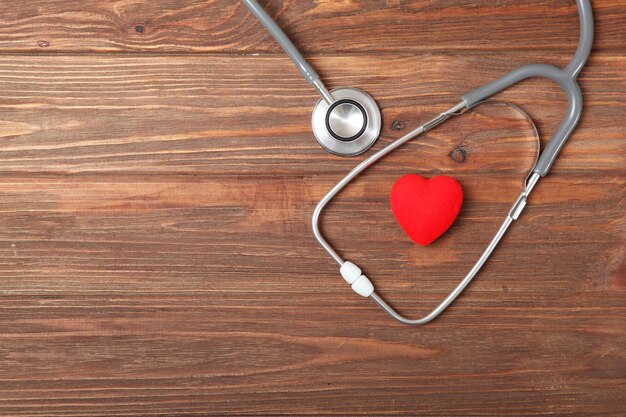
(426, 208)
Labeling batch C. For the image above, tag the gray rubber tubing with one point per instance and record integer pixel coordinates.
(266, 20)
(565, 78)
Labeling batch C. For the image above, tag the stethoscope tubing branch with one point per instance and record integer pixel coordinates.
(566, 78)
(572, 115)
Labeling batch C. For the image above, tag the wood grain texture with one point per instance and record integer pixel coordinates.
(157, 180)
(321, 27)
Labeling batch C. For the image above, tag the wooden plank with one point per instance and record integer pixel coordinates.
(198, 115)
(320, 27)
(123, 356)
(125, 295)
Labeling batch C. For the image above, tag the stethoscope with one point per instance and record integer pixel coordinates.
(347, 122)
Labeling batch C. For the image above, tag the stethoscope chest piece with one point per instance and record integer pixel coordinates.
(350, 125)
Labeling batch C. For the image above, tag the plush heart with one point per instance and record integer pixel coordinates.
(426, 208)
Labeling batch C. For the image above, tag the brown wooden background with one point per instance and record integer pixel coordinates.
(157, 176)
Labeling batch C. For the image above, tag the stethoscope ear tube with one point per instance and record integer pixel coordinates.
(307, 71)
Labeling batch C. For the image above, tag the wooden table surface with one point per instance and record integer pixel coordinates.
(158, 174)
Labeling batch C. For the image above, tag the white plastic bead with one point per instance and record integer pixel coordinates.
(363, 286)
(350, 272)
